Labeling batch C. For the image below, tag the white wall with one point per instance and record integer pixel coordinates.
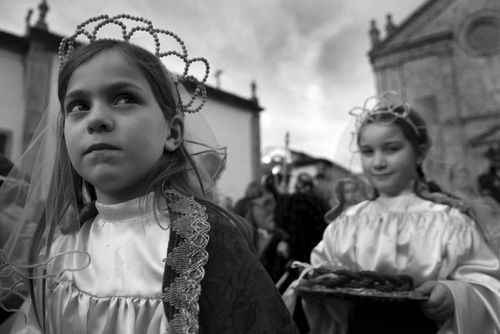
(232, 128)
(12, 105)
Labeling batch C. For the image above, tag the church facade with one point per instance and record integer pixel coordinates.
(444, 59)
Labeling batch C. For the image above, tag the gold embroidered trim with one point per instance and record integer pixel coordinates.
(187, 259)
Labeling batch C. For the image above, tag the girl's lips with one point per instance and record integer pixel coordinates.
(100, 146)
(382, 175)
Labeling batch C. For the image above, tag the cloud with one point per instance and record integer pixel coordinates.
(308, 57)
(340, 56)
(308, 18)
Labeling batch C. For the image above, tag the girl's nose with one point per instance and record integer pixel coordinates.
(379, 161)
(100, 120)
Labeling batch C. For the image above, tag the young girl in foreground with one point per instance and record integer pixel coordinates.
(407, 229)
(149, 254)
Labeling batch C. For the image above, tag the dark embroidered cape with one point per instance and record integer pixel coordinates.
(213, 283)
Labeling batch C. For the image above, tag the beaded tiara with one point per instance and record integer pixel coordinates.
(384, 108)
(91, 27)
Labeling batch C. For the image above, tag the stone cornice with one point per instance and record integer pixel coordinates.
(439, 43)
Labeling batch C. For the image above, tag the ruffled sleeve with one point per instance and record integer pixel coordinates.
(474, 282)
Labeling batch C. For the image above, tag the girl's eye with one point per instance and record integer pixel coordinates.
(125, 99)
(366, 151)
(392, 149)
(76, 107)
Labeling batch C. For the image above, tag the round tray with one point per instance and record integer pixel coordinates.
(360, 294)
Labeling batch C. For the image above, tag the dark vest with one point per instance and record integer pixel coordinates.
(212, 280)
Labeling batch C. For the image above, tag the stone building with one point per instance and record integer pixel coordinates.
(28, 77)
(445, 60)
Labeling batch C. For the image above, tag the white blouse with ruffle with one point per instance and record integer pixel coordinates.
(119, 291)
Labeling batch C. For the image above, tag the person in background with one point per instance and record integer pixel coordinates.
(298, 214)
(257, 207)
(489, 182)
(300, 218)
(260, 214)
(254, 190)
(227, 203)
(461, 182)
(348, 191)
(486, 209)
(5, 167)
(304, 184)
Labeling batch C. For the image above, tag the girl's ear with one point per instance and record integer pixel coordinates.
(176, 135)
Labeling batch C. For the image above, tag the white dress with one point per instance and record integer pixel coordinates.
(410, 235)
(119, 291)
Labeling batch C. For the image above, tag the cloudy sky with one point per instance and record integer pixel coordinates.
(309, 58)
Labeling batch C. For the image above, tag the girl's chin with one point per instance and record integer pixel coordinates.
(107, 198)
(118, 195)
(391, 192)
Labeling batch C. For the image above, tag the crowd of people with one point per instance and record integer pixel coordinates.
(115, 238)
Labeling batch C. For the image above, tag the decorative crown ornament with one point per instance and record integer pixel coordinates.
(92, 26)
(389, 104)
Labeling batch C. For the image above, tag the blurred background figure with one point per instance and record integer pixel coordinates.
(257, 207)
(5, 167)
(299, 226)
(227, 203)
(301, 216)
(304, 184)
(261, 215)
(254, 190)
(485, 206)
(7, 216)
(489, 182)
(461, 183)
(347, 192)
